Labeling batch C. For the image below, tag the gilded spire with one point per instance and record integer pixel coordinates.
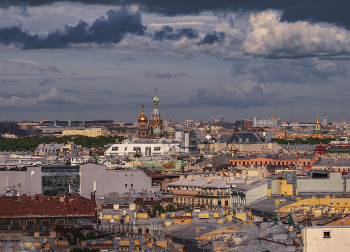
(142, 108)
(317, 120)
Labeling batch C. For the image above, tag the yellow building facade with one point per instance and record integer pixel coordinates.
(86, 132)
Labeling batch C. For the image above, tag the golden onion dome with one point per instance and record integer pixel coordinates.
(143, 118)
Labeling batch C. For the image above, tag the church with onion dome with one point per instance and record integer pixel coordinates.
(153, 128)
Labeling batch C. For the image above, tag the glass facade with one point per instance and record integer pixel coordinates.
(60, 180)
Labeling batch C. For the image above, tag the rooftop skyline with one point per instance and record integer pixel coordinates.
(88, 59)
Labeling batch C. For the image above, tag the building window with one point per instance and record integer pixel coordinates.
(226, 202)
(30, 222)
(45, 222)
(156, 148)
(327, 234)
(114, 148)
(131, 185)
(15, 223)
(126, 185)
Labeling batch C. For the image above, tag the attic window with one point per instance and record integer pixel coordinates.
(327, 234)
(75, 209)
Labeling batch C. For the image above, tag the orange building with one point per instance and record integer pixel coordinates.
(257, 159)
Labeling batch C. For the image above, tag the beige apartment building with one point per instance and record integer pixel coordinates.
(92, 132)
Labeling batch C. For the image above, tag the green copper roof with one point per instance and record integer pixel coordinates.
(317, 132)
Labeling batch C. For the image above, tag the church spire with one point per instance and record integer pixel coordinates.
(317, 125)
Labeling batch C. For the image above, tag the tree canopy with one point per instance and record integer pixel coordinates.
(310, 140)
(157, 207)
(31, 143)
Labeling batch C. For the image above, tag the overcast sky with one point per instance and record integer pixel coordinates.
(102, 59)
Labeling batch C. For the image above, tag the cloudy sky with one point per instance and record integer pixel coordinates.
(102, 59)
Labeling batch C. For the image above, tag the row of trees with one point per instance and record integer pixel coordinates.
(310, 140)
(31, 143)
(158, 207)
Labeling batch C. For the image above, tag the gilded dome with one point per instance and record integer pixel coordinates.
(143, 118)
(171, 131)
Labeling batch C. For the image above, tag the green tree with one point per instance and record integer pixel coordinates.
(90, 236)
(77, 235)
(80, 250)
(274, 217)
(157, 207)
(309, 224)
(170, 208)
(32, 142)
(290, 220)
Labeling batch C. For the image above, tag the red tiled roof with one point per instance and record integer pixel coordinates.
(24, 206)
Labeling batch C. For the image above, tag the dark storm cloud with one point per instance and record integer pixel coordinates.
(229, 97)
(165, 75)
(103, 92)
(110, 30)
(180, 75)
(212, 37)
(310, 10)
(304, 71)
(8, 81)
(167, 32)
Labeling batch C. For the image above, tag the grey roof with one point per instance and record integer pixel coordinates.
(200, 182)
(267, 206)
(332, 162)
(247, 187)
(243, 136)
(224, 138)
(299, 147)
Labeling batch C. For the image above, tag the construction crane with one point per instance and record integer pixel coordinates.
(222, 118)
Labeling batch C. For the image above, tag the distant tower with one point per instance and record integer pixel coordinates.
(156, 127)
(317, 125)
(171, 130)
(142, 131)
(324, 123)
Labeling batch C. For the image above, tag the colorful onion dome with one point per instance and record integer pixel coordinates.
(171, 131)
(157, 132)
(155, 99)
